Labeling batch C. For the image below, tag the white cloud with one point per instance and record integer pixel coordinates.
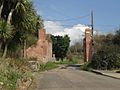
(75, 33)
(53, 27)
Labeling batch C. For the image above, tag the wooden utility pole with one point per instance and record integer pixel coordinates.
(89, 38)
(92, 23)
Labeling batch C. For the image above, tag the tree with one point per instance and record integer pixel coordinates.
(69, 55)
(7, 9)
(1, 6)
(107, 55)
(60, 46)
(6, 34)
(106, 58)
(24, 20)
(21, 15)
(116, 39)
(76, 48)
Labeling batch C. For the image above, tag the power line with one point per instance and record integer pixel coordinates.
(84, 25)
(106, 25)
(68, 19)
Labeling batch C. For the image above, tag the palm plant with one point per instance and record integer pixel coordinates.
(1, 6)
(6, 34)
(24, 19)
(21, 15)
(5, 27)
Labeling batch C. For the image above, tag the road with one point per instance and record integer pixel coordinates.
(73, 79)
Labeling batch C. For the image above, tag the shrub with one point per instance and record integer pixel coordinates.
(47, 66)
(106, 58)
(10, 71)
(67, 61)
(8, 76)
(86, 66)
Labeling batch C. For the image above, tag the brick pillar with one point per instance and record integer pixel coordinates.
(88, 45)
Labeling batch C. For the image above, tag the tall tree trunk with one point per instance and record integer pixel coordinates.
(1, 7)
(24, 48)
(10, 16)
(5, 50)
(0, 45)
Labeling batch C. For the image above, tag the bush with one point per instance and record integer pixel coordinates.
(86, 66)
(67, 61)
(12, 70)
(8, 75)
(47, 66)
(106, 58)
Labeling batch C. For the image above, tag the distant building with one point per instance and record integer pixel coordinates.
(43, 48)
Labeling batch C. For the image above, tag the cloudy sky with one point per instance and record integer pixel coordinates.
(71, 16)
(76, 32)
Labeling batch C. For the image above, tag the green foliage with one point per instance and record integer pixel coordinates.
(8, 76)
(86, 66)
(76, 52)
(106, 58)
(47, 66)
(52, 65)
(6, 35)
(26, 76)
(60, 46)
(66, 61)
(116, 39)
(69, 55)
(18, 23)
(76, 48)
(6, 31)
(107, 52)
(11, 71)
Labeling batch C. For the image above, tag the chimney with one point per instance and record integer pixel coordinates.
(42, 34)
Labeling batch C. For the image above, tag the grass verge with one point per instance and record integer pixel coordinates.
(12, 71)
(86, 67)
(47, 66)
(66, 61)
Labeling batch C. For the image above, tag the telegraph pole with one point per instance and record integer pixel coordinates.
(92, 25)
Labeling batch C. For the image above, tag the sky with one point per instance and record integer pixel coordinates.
(72, 16)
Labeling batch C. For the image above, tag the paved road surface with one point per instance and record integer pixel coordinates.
(72, 79)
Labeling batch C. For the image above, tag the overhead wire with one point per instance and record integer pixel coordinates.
(68, 19)
(78, 18)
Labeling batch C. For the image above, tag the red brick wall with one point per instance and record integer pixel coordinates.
(42, 49)
(42, 34)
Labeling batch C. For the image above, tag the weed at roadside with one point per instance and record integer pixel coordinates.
(47, 66)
